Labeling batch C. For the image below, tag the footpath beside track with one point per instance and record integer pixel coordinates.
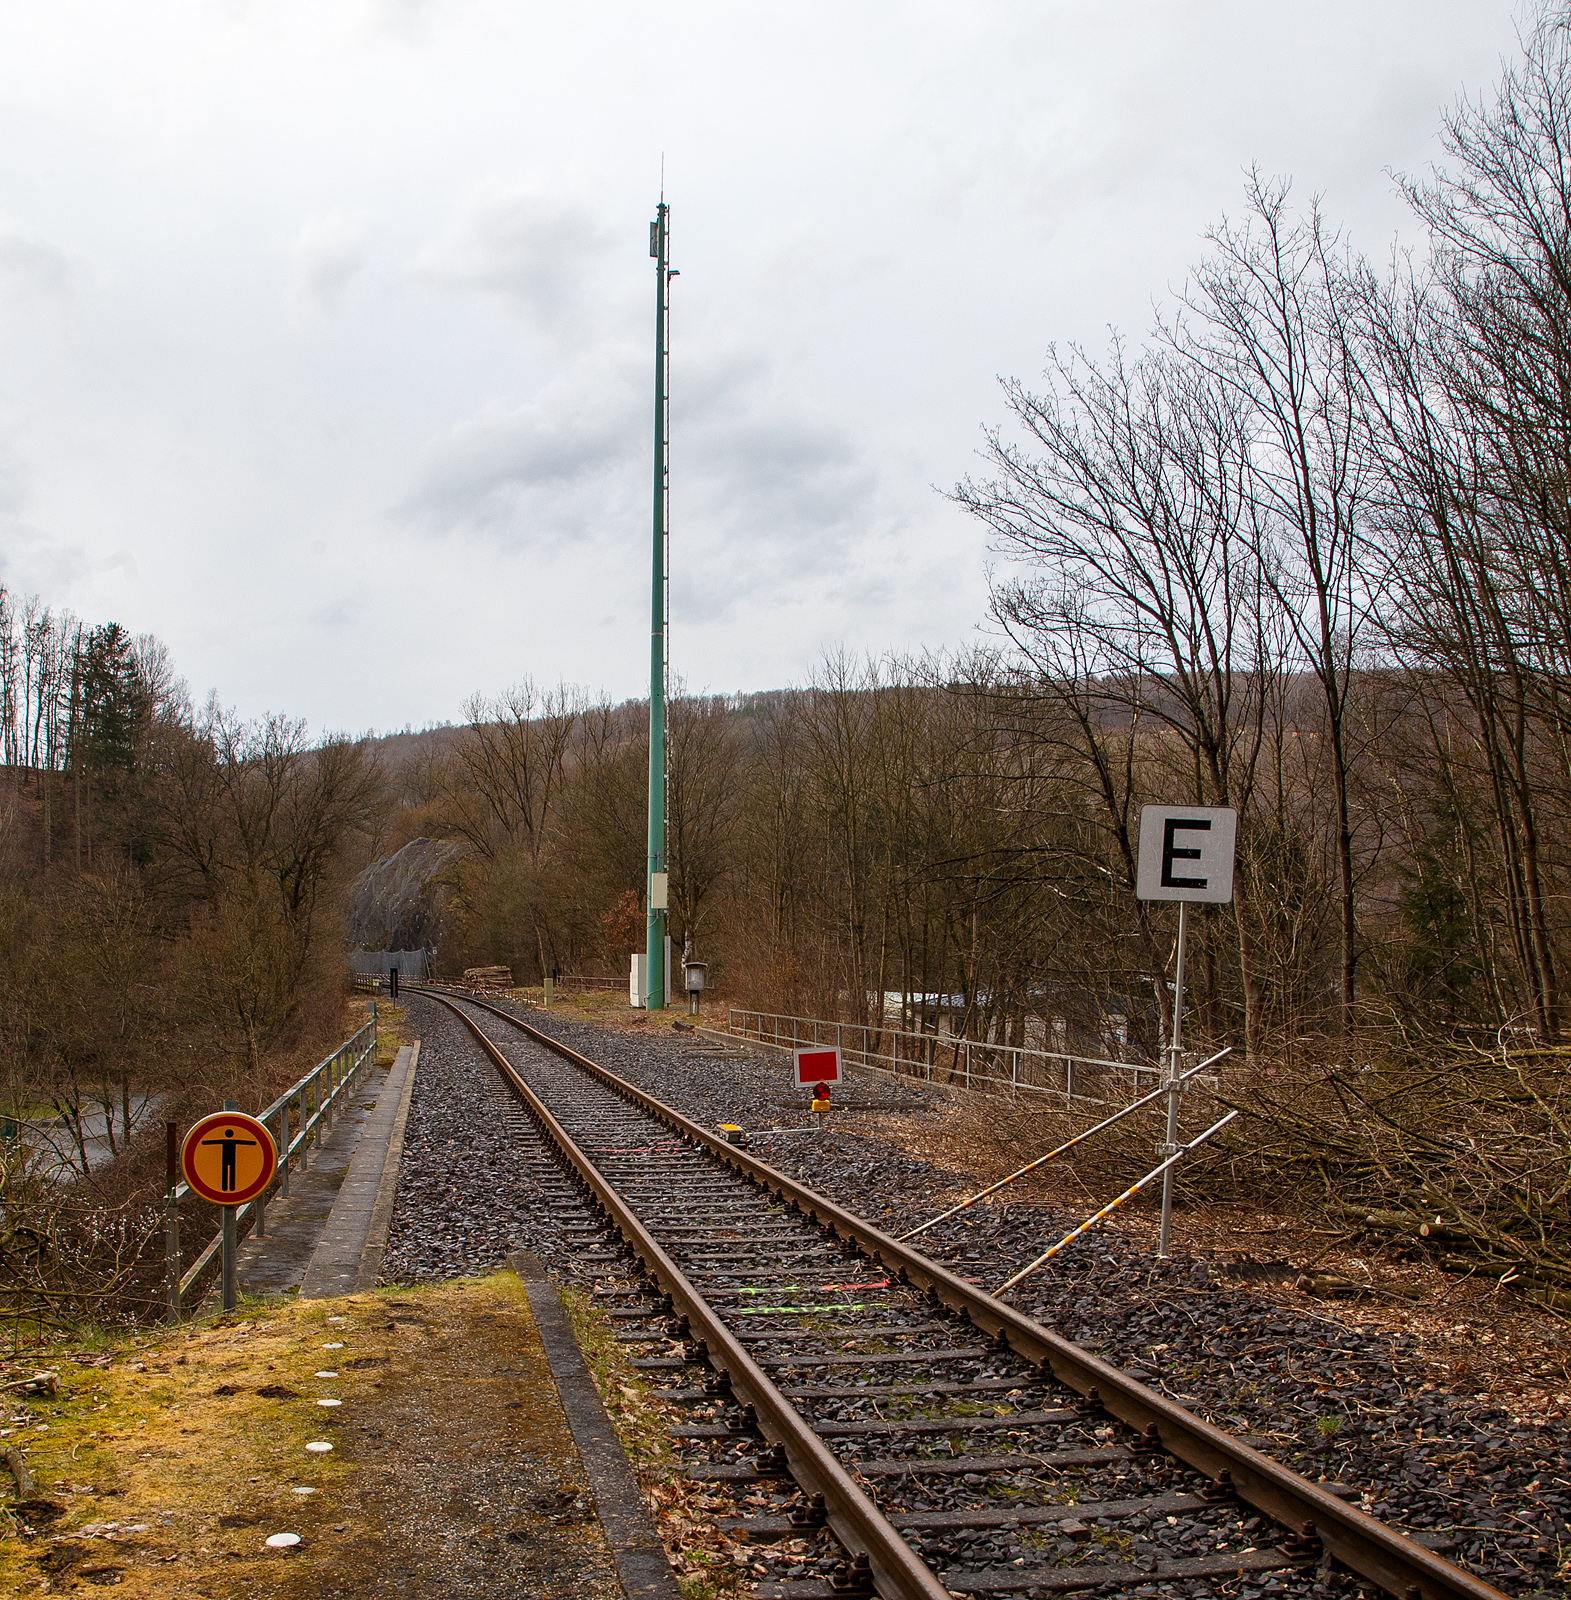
(997, 1458)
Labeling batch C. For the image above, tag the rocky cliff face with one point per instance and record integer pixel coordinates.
(399, 902)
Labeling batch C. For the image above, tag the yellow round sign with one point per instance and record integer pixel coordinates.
(228, 1158)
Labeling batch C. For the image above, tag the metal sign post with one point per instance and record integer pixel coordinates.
(1169, 1146)
(1186, 854)
(172, 1219)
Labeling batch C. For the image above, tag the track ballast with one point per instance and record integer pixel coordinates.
(946, 1443)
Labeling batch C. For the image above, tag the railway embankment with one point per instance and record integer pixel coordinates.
(1440, 1407)
(440, 1435)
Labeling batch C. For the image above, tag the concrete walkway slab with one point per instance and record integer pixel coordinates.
(349, 1247)
(277, 1263)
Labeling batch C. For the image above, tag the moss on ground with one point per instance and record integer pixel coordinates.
(164, 1460)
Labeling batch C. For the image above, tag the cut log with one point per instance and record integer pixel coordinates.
(24, 1479)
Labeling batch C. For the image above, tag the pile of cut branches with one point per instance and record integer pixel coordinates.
(69, 1252)
(1460, 1153)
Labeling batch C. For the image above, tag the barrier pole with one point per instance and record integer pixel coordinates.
(1068, 1144)
(1112, 1205)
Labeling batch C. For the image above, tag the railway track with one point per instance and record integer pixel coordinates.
(897, 1428)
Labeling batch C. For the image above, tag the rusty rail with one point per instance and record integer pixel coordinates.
(896, 1570)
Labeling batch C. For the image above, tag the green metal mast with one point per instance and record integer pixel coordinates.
(654, 969)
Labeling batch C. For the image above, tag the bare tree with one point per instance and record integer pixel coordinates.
(1467, 366)
(704, 759)
(1267, 319)
(1147, 610)
(506, 770)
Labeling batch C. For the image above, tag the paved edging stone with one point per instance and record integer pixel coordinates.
(382, 1211)
(635, 1546)
(335, 1263)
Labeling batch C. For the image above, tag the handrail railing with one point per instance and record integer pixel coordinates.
(965, 1062)
(311, 1099)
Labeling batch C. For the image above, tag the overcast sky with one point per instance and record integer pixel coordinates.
(326, 327)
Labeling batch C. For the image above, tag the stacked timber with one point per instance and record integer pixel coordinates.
(489, 977)
(1472, 1246)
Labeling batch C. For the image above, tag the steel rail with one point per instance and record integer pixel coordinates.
(896, 1570)
(1361, 1543)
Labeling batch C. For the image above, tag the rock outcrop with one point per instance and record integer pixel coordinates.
(399, 903)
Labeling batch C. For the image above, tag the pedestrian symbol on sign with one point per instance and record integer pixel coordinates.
(227, 1144)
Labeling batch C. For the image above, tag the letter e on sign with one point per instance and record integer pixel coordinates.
(817, 1063)
(1186, 853)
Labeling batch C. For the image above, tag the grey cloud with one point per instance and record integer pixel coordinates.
(31, 263)
(580, 431)
(801, 477)
(776, 505)
(328, 253)
(531, 251)
(760, 494)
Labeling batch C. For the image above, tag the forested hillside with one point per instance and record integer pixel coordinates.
(1304, 550)
(170, 878)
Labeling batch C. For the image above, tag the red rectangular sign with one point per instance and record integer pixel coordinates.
(817, 1063)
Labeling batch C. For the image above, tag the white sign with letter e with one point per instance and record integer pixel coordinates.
(1186, 853)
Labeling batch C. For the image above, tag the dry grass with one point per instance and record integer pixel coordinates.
(392, 1026)
(152, 1478)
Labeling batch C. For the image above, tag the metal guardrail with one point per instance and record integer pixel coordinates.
(306, 1107)
(965, 1062)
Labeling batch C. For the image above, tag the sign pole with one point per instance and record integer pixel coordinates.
(1186, 854)
(1174, 1085)
(172, 1220)
(228, 1213)
(229, 1158)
